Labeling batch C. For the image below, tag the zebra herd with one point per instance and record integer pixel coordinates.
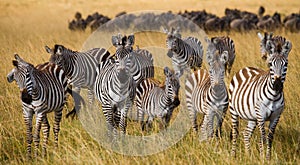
(126, 78)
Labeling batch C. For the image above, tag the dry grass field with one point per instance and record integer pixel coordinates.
(27, 26)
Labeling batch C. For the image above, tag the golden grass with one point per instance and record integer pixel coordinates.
(26, 27)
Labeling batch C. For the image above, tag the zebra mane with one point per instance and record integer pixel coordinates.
(57, 47)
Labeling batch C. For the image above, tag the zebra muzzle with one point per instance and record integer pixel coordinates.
(25, 96)
(278, 84)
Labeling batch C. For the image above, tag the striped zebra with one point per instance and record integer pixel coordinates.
(43, 90)
(142, 60)
(279, 41)
(225, 43)
(156, 100)
(80, 67)
(257, 96)
(185, 53)
(115, 89)
(206, 92)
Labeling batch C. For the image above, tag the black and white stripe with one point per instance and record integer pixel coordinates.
(142, 60)
(79, 67)
(185, 53)
(43, 90)
(225, 43)
(115, 88)
(206, 92)
(256, 95)
(156, 100)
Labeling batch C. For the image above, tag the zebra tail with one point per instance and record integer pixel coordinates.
(77, 100)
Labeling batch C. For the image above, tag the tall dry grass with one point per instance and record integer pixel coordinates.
(26, 27)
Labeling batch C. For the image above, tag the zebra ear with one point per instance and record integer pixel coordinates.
(165, 30)
(58, 49)
(17, 57)
(207, 40)
(114, 41)
(167, 71)
(260, 36)
(48, 50)
(286, 48)
(270, 47)
(130, 40)
(224, 56)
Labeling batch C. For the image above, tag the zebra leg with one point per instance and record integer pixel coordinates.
(272, 126)
(91, 97)
(141, 118)
(36, 137)
(220, 118)
(108, 113)
(248, 133)
(261, 126)
(123, 120)
(28, 122)
(204, 128)
(45, 127)
(193, 117)
(234, 132)
(210, 125)
(56, 125)
(149, 123)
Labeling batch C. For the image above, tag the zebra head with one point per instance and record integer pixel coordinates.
(278, 62)
(216, 61)
(123, 67)
(172, 86)
(57, 55)
(22, 75)
(123, 44)
(173, 40)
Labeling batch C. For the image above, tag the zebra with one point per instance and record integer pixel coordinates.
(257, 96)
(185, 53)
(225, 43)
(206, 92)
(115, 89)
(43, 90)
(279, 41)
(80, 67)
(142, 61)
(156, 100)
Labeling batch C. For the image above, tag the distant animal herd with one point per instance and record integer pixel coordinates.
(126, 78)
(233, 20)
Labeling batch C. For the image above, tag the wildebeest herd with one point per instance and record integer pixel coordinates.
(233, 20)
(126, 78)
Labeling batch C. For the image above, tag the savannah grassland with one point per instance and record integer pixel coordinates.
(27, 26)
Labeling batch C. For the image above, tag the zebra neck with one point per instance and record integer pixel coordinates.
(69, 63)
(166, 98)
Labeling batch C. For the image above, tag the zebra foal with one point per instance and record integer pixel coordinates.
(185, 53)
(43, 90)
(156, 100)
(206, 92)
(257, 96)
